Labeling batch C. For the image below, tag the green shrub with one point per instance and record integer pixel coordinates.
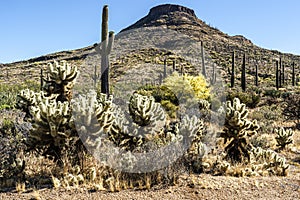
(250, 98)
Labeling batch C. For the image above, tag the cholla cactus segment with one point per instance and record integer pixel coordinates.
(93, 117)
(236, 123)
(268, 160)
(28, 98)
(204, 104)
(62, 72)
(50, 121)
(144, 110)
(284, 137)
(62, 77)
(237, 129)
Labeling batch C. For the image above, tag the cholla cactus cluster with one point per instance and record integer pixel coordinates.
(268, 161)
(237, 130)
(49, 110)
(284, 137)
(61, 79)
(58, 120)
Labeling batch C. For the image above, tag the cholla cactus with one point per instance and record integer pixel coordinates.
(49, 111)
(193, 127)
(50, 122)
(144, 110)
(237, 130)
(204, 104)
(268, 161)
(62, 79)
(284, 137)
(147, 115)
(92, 117)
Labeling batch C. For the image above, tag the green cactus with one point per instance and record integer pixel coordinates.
(268, 160)
(293, 74)
(284, 137)
(243, 77)
(50, 120)
(237, 130)
(204, 104)
(232, 70)
(165, 69)
(203, 60)
(256, 75)
(144, 111)
(107, 40)
(49, 111)
(62, 77)
(93, 117)
(277, 75)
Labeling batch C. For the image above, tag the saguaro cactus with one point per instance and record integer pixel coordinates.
(165, 68)
(243, 78)
(232, 70)
(203, 60)
(283, 74)
(293, 74)
(107, 40)
(41, 79)
(174, 65)
(256, 75)
(277, 75)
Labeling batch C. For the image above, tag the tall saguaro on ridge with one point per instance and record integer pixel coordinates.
(107, 40)
(232, 70)
(243, 77)
(203, 60)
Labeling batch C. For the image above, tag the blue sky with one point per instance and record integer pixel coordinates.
(30, 28)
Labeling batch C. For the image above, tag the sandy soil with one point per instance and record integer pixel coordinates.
(201, 186)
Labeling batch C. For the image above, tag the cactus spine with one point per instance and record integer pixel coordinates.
(203, 60)
(107, 40)
(243, 78)
(232, 70)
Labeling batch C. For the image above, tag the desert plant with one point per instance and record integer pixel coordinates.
(268, 161)
(291, 108)
(232, 70)
(250, 97)
(162, 95)
(243, 76)
(203, 60)
(62, 77)
(284, 137)
(107, 40)
(237, 130)
(50, 111)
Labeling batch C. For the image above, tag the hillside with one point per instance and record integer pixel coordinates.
(218, 46)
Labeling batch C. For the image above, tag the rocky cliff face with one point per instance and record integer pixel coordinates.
(167, 15)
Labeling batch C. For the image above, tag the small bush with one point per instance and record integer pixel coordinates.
(250, 98)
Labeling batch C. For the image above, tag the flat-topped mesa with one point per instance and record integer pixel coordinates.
(166, 14)
(168, 8)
